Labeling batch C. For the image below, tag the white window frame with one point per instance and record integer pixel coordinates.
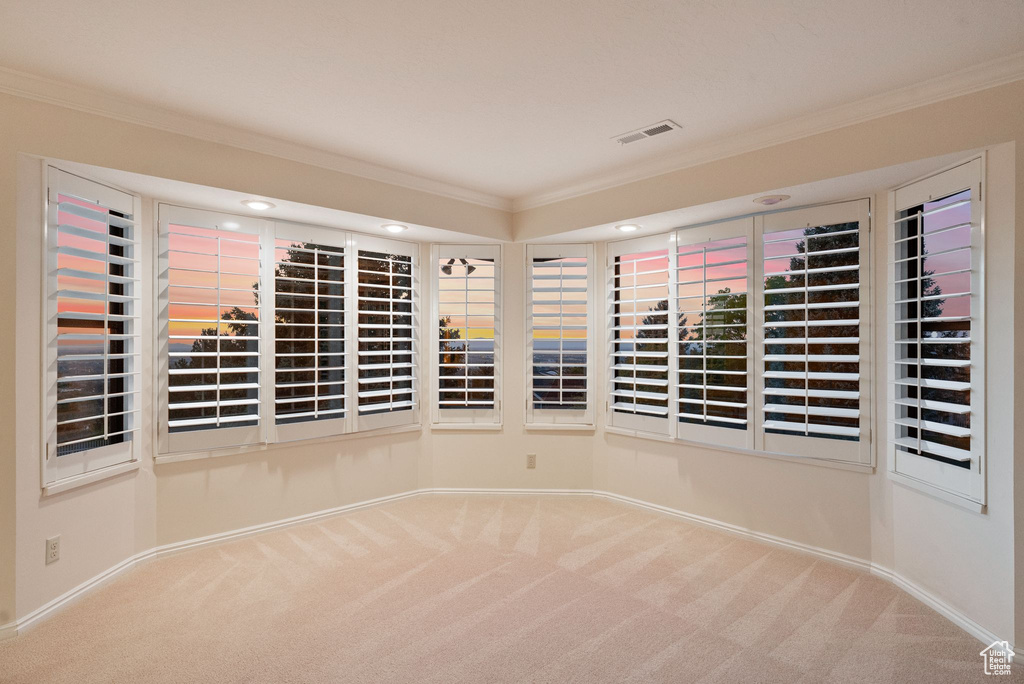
(312, 429)
(465, 418)
(639, 423)
(360, 423)
(63, 468)
(821, 448)
(204, 440)
(687, 237)
(557, 418)
(858, 455)
(267, 431)
(963, 486)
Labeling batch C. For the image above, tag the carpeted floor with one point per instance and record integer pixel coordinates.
(449, 588)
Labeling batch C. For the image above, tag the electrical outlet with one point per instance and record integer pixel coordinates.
(53, 549)
(531, 461)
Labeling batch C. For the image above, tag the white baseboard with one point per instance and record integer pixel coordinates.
(965, 623)
(8, 631)
(952, 614)
(69, 597)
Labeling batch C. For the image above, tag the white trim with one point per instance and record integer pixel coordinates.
(466, 427)
(990, 74)
(964, 82)
(69, 597)
(792, 458)
(91, 101)
(250, 449)
(69, 483)
(950, 613)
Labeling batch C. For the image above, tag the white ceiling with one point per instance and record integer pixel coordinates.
(506, 98)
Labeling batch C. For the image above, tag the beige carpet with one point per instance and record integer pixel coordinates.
(452, 588)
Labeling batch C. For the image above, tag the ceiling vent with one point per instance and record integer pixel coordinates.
(647, 132)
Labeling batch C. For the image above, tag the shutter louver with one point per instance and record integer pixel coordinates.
(640, 345)
(711, 283)
(309, 326)
(94, 295)
(933, 291)
(213, 295)
(558, 311)
(386, 339)
(467, 333)
(811, 367)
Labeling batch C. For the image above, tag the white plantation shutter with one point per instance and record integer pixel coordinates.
(813, 391)
(640, 290)
(310, 374)
(936, 390)
(467, 341)
(713, 312)
(211, 306)
(92, 319)
(386, 329)
(559, 387)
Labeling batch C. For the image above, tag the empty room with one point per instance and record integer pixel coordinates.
(565, 341)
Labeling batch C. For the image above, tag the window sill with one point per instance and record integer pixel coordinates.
(466, 427)
(807, 460)
(555, 427)
(249, 449)
(84, 479)
(929, 489)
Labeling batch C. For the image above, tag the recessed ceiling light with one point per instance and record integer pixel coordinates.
(258, 205)
(395, 227)
(769, 200)
(230, 225)
(628, 227)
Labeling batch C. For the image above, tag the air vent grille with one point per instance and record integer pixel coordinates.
(646, 132)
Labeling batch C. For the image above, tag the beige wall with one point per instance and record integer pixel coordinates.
(860, 514)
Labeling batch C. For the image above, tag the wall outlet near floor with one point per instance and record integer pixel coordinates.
(531, 461)
(53, 549)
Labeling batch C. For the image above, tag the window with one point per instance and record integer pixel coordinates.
(558, 337)
(640, 335)
(92, 327)
(813, 320)
(310, 376)
(936, 368)
(468, 341)
(779, 372)
(713, 279)
(239, 368)
(211, 307)
(387, 333)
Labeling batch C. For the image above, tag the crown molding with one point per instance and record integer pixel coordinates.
(980, 77)
(91, 101)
